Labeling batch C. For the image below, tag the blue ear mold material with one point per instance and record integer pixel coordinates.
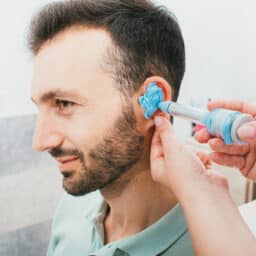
(151, 99)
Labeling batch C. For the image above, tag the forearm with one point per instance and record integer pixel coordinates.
(214, 222)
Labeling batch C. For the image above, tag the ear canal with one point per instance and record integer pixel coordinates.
(151, 99)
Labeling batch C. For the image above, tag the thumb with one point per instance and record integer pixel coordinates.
(247, 132)
(166, 133)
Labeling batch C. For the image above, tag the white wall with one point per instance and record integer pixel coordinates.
(15, 60)
(221, 47)
(220, 41)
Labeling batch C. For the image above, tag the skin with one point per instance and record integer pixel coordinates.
(220, 230)
(82, 114)
(242, 157)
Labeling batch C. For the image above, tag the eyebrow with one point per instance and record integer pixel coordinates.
(58, 93)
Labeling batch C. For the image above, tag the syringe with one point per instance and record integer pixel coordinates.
(219, 122)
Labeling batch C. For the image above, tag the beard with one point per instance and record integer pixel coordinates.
(118, 152)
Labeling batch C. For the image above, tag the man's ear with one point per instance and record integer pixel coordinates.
(161, 83)
(167, 95)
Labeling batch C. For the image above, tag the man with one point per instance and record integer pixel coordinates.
(93, 60)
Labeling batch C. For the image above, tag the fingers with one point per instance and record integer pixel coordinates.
(163, 151)
(233, 105)
(204, 159)
(219, 146)
(157, 158)
(166, 133)
(160, 146)
(202, 136)
(247, 132)
(242, 157)
(251, 174)
(250, 161)
(156, 147)
(228, 160)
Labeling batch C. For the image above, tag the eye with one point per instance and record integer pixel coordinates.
(64, 105)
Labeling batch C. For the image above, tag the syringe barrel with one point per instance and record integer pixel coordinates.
(183, 111)
(225, 123)
(219, 122)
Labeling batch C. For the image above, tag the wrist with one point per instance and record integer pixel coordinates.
(184, 188)
(201, 191)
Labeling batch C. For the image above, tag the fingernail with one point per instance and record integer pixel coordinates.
(158, 121)
(247, 131)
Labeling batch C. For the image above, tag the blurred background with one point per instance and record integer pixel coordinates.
(220, 42)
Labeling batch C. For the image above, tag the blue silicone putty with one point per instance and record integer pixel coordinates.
(151, 99)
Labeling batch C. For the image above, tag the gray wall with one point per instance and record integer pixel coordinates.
(30, 188)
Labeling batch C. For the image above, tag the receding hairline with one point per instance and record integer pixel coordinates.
(111, 55)
(76, 28)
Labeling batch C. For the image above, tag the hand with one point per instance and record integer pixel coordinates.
(176, 167)
(242, 157)
(197, 189)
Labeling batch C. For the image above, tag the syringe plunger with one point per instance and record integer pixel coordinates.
(219, 122)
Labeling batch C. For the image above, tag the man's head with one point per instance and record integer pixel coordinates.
(93, 59)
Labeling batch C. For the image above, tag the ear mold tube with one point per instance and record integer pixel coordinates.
(219, 122)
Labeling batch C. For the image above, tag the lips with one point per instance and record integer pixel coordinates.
(66, 163)
(67, 159)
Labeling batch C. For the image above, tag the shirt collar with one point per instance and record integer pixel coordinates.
(98, 212)
(151, 241)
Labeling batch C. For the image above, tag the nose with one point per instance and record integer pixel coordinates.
(46, 136)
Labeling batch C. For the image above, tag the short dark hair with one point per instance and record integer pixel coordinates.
(147, 38)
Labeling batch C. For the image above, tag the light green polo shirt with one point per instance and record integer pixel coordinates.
(77, 230)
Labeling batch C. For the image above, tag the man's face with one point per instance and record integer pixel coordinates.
(83, 120)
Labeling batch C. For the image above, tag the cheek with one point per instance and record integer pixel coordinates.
(89, 126)
(85, 131)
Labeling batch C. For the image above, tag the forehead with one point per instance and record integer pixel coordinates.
(71, 61)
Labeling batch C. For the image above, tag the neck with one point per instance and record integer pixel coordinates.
(135, 202)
